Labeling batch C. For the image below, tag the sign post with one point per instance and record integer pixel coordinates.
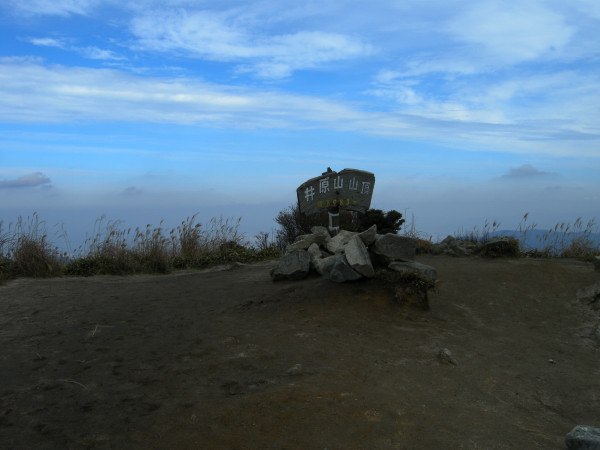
(349, 189)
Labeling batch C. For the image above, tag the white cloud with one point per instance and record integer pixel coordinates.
(218, 37)
(509, 32)
(48, 42)
(98, 53)
(33, 93)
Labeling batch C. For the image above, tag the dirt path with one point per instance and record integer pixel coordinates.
(229, 359)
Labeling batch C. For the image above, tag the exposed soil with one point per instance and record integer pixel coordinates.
(230, 359)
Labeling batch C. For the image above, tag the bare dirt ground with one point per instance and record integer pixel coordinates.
(230, 359)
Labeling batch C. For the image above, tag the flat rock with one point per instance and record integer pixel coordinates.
(421, 270)
(292, 266)
(391, 247)
(583, 437)
(306, 240)
(500, 246)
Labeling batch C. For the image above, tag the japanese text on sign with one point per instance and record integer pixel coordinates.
(349, 189)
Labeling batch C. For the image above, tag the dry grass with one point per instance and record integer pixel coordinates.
(26, 251)
(565, 240)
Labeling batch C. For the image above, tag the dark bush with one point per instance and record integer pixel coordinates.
(293, 223)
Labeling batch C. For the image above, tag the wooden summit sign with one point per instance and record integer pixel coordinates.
(348, 189)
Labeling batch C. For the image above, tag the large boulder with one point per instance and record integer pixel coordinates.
(341, 270)
(420, 270)
(357, 256)
(292, 266)
(336, 244)
(391, 247)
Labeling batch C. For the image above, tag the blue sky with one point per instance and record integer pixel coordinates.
(147, 110)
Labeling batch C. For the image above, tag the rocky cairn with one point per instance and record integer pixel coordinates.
(350, 256)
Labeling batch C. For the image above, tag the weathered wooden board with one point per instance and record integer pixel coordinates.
(349, 189)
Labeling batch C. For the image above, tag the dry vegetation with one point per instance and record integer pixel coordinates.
(27, 249)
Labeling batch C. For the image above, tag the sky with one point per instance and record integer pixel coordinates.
(465, 111)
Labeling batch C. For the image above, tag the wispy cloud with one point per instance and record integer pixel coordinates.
(90, 52)
(218, 36)
(26, 181)
(54, 7)
(48, 42)
(501, 33)
(35, 93)
(100, 54)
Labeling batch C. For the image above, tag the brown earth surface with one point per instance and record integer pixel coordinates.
(230, 359)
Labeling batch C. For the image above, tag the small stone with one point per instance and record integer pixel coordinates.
(583, 437)
(445, 356)
(295, 370)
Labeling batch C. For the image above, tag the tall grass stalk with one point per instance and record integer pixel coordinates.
(565, 239)
(479, 235)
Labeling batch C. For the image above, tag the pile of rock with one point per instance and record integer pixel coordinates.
(496, 246)
(349, 256)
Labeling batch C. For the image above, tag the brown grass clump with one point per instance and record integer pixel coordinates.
(25, 250)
